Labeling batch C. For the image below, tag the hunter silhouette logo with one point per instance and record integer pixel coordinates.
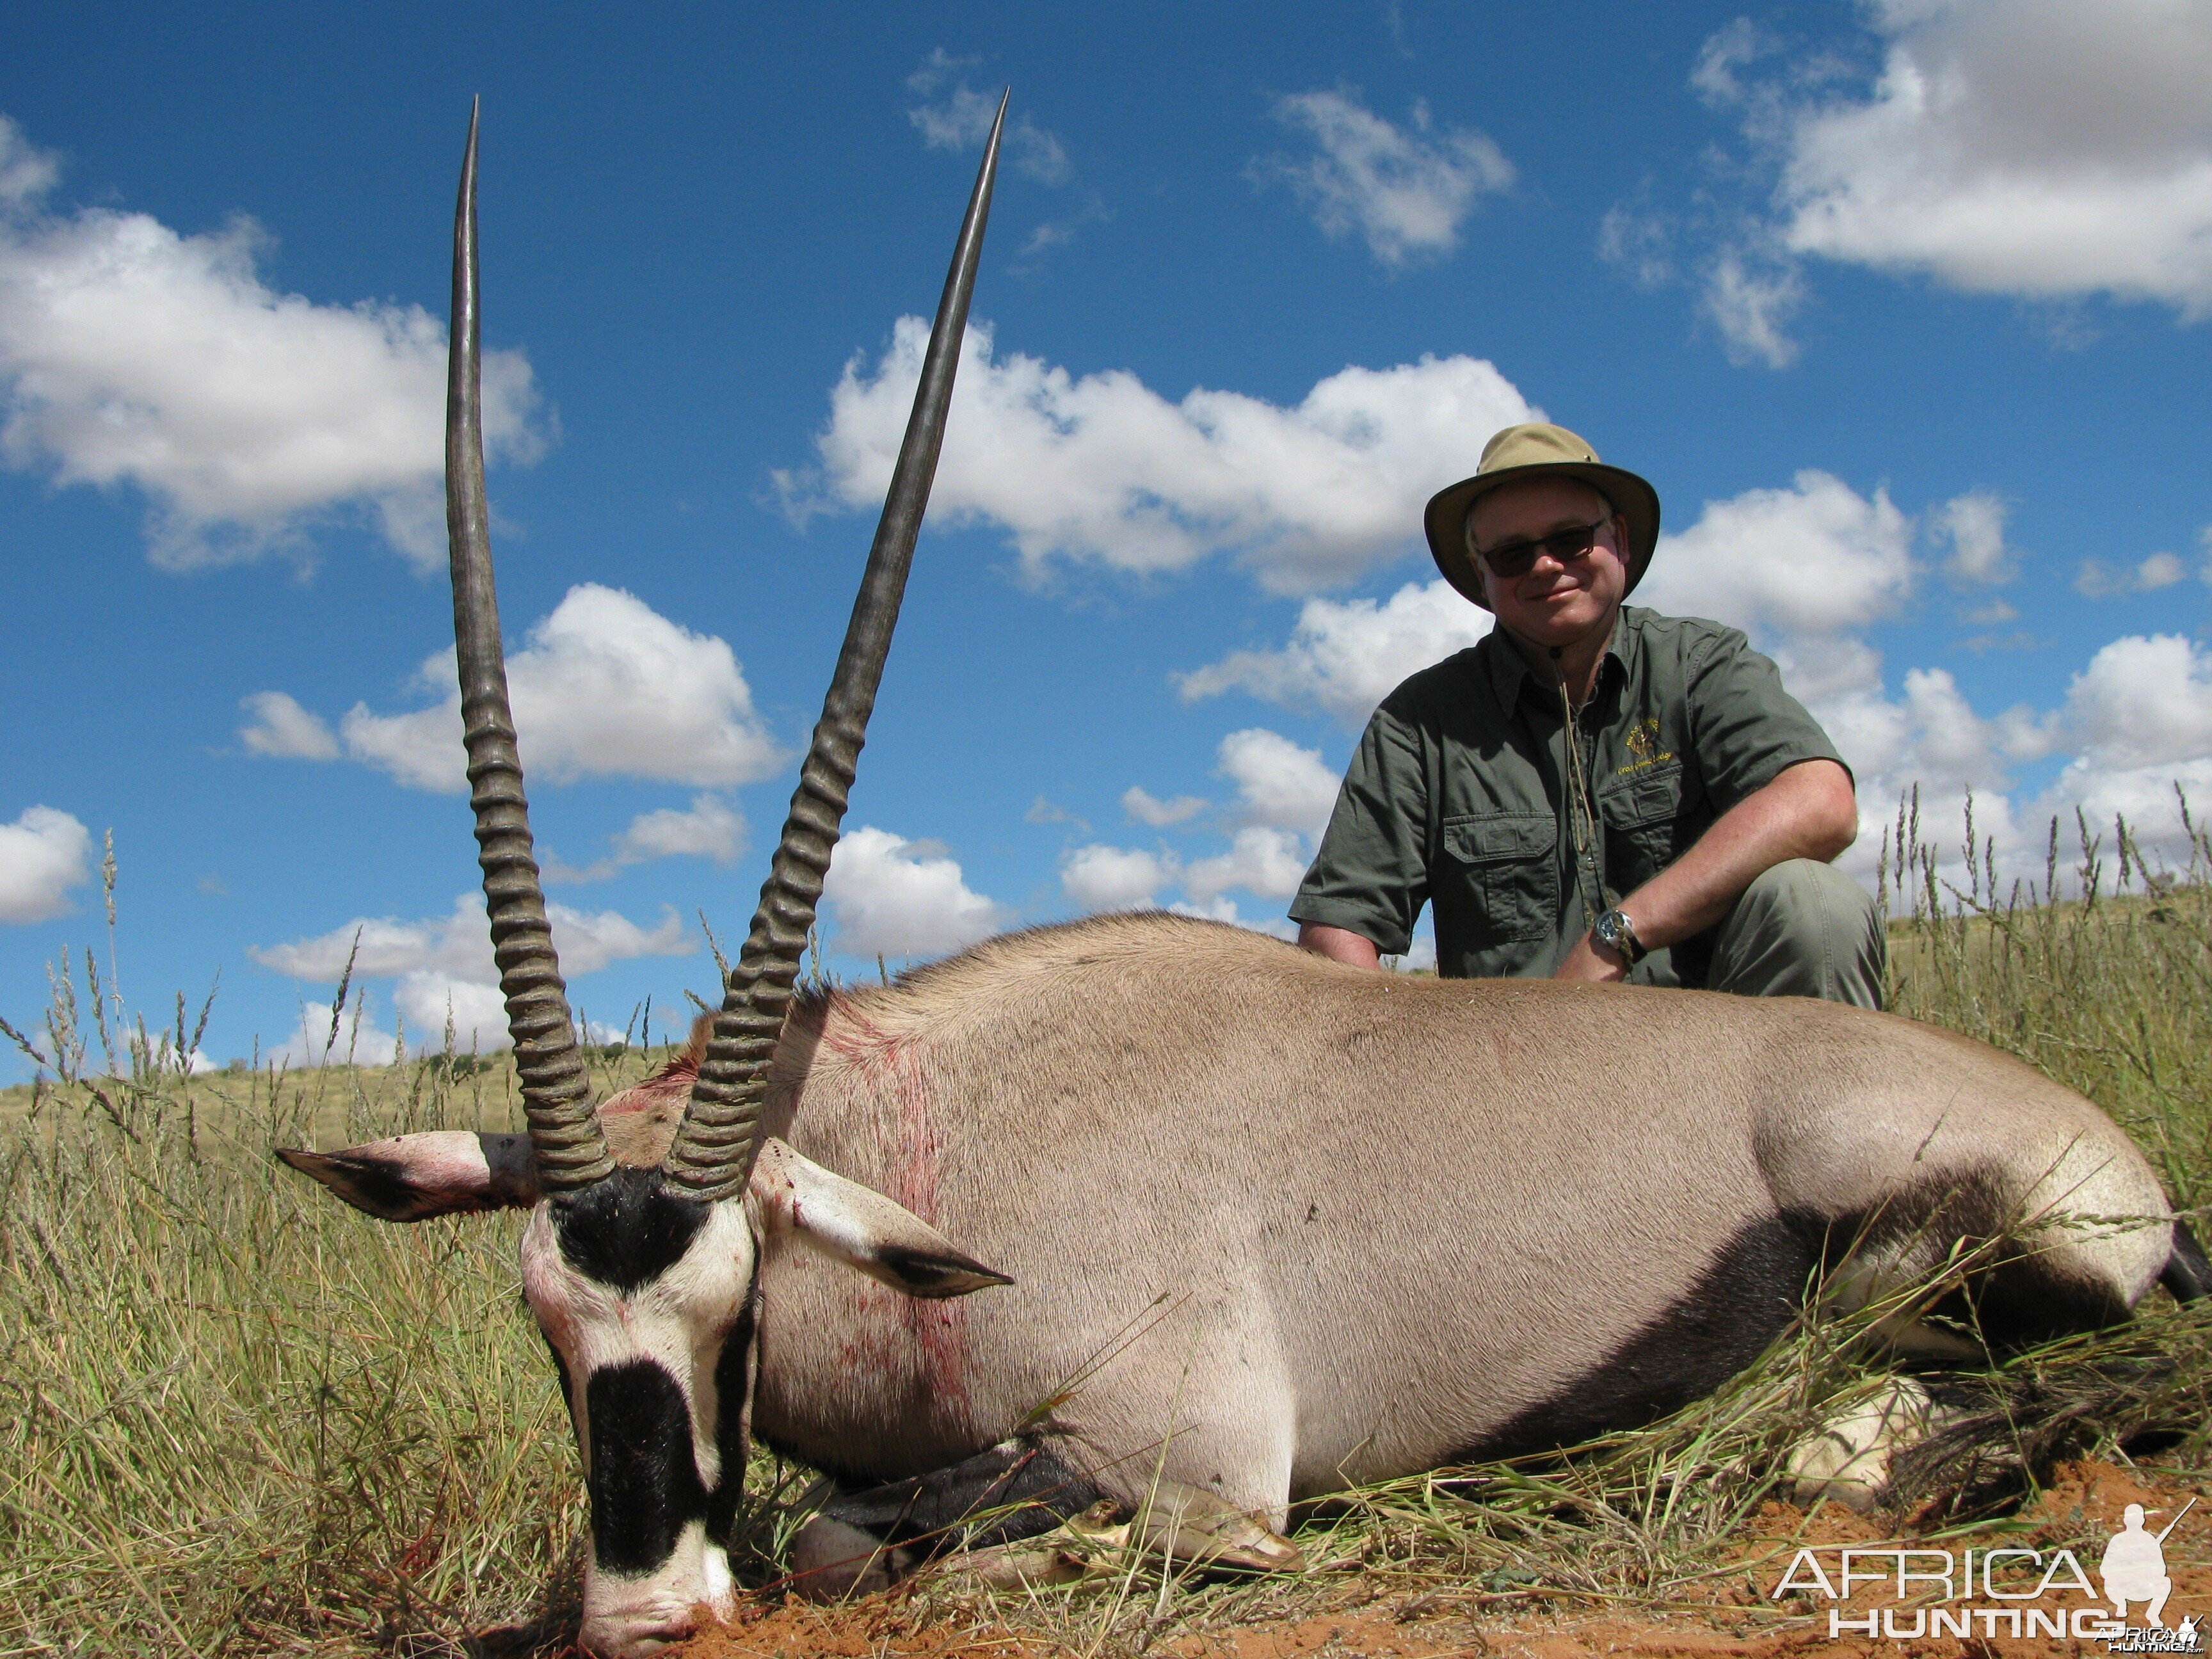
(2134, 1567)
(2009, 1592)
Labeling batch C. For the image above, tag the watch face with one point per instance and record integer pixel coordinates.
(1610, 933)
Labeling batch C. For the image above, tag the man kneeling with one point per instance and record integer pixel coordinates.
(1594, 791)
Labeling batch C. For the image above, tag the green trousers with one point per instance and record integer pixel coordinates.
(1803, 929)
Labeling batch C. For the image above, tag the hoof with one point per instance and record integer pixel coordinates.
(833, 1562)
(1192, 1525)
(1847, 1460)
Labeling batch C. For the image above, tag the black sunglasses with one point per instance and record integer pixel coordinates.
(1518, 558)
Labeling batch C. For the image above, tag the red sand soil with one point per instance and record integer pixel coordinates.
(1442, 1624)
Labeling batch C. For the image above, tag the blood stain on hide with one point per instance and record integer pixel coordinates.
(936, 1332)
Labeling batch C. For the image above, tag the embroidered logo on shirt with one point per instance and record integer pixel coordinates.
(1642, 741)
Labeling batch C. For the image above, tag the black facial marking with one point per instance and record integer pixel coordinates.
(645, 1482)
(1012, 1492)
(561, 1365)
(627, 1229)
(1747, 1294)
(730, 1379)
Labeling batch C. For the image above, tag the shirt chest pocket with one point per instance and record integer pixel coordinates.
(1645, 827)
(1506, 868)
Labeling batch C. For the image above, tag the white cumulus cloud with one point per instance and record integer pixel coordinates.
(2098, 580)
(605, 687)
(1974, 526)
(2043, 149)
(1265, 861)
(1284, 796)
(133, 353)
(1816, 558)
(2143, 702)
(43, 854)
(710, 829)
(354, 1039)
(1752, 300)
(459, 944)
(26, 173)
(955, 116)
(1345, 656)
(1099, 877)
(1405, 190)
(2136, 722)
(281, 728)
(1148, 808)
(1278, 784)
(1810, 569)
(1099, 467)
(2035, 147)
(440, 1006)
(890, 896)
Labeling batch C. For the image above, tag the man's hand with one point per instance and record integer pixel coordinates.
(1809, 812)
(1594, 964)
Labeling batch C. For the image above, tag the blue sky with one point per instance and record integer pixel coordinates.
(1901, 306)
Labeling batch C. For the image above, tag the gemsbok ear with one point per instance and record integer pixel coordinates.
(862, 1229)
(438, 1172)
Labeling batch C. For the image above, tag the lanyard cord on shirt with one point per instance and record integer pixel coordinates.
(1582, 817)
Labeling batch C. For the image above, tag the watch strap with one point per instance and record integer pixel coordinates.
(1618, 929)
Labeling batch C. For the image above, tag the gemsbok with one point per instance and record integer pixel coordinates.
(1247, 1225)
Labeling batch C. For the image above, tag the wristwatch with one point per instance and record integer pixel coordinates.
(1616, 931)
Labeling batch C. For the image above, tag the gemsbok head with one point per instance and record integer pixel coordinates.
(642, 1280)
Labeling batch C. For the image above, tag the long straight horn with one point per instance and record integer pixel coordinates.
(557, 1099)
(713, 1153)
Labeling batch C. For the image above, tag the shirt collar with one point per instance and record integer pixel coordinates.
(1510, 673)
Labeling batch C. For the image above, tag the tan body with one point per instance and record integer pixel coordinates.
(1382, 1220)
(1387, 1215)
(1275, 1225)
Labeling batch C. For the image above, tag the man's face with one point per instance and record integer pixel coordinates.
(1552, 602)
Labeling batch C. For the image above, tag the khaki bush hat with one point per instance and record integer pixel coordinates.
(1537, 450)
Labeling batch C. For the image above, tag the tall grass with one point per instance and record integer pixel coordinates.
(237, 1418)
(2097, 969)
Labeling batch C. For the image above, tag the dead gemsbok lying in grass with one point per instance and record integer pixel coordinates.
(1380, 1222)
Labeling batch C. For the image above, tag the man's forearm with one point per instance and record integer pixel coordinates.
(1807, 811)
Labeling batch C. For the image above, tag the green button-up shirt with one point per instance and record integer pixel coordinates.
(1457, 796)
